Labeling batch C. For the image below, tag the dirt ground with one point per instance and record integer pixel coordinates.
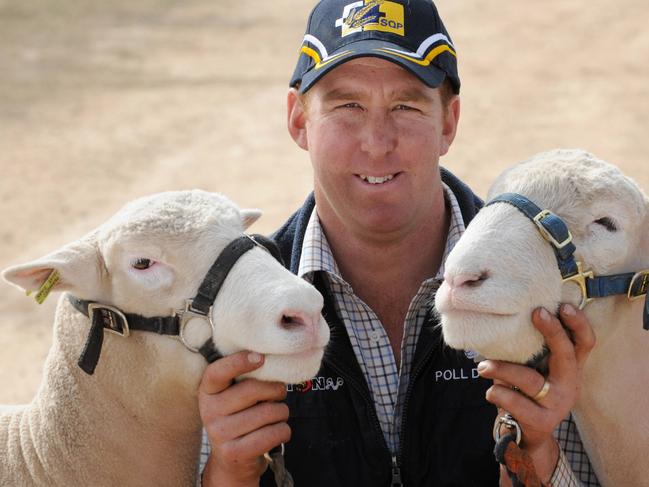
(101, 102)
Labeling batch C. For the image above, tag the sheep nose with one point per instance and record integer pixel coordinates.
(466, 280)
(296, 320)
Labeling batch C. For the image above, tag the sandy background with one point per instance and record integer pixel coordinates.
(101, 102)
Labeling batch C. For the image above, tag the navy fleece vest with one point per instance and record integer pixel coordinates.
(336, 437)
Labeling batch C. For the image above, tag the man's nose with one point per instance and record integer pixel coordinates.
(379, 135)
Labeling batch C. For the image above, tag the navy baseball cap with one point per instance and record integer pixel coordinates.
(409, 33)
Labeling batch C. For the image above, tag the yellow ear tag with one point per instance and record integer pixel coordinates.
(47, 286)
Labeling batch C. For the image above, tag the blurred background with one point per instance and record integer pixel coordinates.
(102, 102)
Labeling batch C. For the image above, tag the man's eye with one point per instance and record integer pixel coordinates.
(350, 105)
(142, 264)
(404, 107)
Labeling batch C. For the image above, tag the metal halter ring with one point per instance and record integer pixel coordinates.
(187, 315)
(509, 421)
(269, 458)
(580, 278)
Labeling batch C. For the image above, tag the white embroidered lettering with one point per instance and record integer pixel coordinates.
(456, 374)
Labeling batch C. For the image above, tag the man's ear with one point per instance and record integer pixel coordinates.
(296, 118)
(250, 216)
(451, 119)
(79, 265)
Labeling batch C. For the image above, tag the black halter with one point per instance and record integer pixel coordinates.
(103, 316)
(634, 284)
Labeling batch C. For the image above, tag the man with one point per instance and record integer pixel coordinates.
(374, 100)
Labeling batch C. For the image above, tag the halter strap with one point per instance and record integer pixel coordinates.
(218, 272)
(599, 287)
(552, 227)
(106, 317)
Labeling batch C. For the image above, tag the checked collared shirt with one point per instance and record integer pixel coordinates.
(387, 380)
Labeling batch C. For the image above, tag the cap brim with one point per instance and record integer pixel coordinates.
(425, 70)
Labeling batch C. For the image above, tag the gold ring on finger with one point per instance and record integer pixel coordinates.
(543, 392)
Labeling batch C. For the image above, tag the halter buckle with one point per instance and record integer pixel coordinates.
(546, 234)
(509, 422)
(113, 319)
(639, 285)
(580, 279)
(188, 314)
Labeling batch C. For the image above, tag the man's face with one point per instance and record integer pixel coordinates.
(374, 133)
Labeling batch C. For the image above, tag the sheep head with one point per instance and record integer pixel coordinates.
(502, 268)
(152, 256)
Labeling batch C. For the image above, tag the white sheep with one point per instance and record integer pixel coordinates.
(135, 421)
(502, 268)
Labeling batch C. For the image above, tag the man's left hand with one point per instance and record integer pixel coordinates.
(518, 388)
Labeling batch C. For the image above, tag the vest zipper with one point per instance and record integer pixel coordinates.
(395, 459)
(359, 386)
(368, 400)
(398, 460)
(396, 473)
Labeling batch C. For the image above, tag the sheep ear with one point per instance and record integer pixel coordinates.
(250, 216)
(78, 265)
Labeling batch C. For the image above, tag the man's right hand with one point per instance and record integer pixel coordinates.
(243, 420)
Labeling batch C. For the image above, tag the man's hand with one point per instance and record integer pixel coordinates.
(515, 386)
(243, 420)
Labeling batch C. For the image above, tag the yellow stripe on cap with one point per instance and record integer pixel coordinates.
(422, 62)
(332, 59)
(312, 53)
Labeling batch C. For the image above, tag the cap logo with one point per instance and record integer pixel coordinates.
(381, 15)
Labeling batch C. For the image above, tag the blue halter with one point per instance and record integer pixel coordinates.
(634, 284)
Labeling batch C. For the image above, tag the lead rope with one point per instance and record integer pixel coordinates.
(275, 459)
(518, 462)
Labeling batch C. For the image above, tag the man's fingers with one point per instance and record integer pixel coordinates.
(242, 457)
(219, 375)
(255, 444)
(520, 406)
(249, 420)
(582, 333)
(556, 338)
(520, 377)
(523, 392)
(562, 358)
(240, 396)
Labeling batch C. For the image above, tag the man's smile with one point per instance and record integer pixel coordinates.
(377, 179)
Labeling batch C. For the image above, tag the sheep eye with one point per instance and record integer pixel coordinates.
(607, 223)
(142, 264)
